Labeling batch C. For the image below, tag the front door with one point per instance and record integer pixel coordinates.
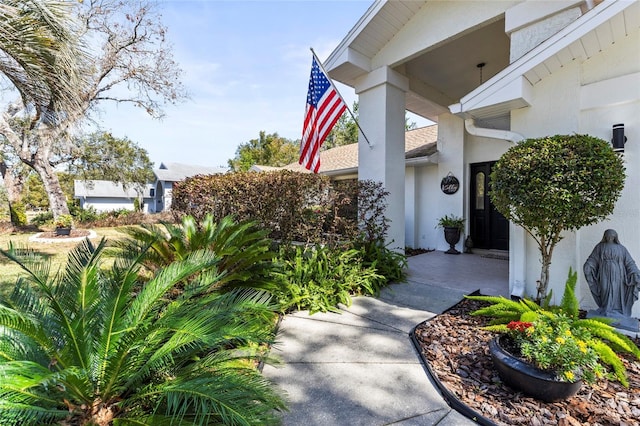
(489, 229)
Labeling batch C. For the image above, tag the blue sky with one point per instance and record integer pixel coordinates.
(246, 65)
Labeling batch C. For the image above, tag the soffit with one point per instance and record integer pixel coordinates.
(439, 72)
(592, 33)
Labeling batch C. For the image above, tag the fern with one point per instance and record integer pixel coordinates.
(569, 303)
(609, 357)
(618, 341)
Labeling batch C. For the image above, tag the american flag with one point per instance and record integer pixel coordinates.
(324, 108)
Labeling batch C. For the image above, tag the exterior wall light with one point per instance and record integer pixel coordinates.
(619, 139)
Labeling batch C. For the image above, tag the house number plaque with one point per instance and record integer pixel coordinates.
(449, 184)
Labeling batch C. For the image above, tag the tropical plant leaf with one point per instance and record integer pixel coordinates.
(89, 336)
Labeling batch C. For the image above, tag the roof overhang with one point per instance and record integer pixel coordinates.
(511, 88)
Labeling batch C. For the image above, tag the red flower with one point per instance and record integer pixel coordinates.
(519, 326)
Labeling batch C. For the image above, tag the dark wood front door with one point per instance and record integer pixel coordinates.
(489, 229)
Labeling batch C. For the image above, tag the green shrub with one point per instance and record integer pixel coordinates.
(388, 263)
(18, 214)
(318, 279)
(88, 214)
(42, 218)
(243, 250)
(555, 184)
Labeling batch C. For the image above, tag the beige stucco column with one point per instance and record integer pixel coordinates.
(382, 117)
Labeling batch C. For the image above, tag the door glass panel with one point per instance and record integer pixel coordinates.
(480, 191)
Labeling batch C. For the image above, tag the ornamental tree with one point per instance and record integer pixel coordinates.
(554, 184)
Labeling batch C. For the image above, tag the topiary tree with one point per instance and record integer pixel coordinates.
(556, 183)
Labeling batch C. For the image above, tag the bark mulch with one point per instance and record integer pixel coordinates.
(456, 352)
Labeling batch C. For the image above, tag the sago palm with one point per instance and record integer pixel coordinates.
(244, 251)
(93, 346)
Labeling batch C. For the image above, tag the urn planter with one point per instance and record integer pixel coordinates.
(452, 236)
(525, 377)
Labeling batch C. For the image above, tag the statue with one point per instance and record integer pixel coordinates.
(614, 280)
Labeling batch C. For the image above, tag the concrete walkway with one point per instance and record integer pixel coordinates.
(359, 366)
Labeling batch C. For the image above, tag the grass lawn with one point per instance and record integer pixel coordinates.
(56, 252)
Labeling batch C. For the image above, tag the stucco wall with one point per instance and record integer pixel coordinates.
(427, 187)
(451, 159)
(588, 98)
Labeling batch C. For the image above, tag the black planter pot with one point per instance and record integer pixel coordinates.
(532, 381)
(452, 236)
(63, 231)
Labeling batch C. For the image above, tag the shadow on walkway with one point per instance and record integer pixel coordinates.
(359, 367)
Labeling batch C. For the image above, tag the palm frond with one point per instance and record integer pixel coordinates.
(226, 397)
(43, 58)
(22, 398)
(16, 414)
(166, 278)
(90, 335)
(13, 320)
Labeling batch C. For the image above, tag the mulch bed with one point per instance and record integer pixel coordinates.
(456, 351)
(75, 233)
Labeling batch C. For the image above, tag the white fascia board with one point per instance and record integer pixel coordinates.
(516, 93)
(339, 52)
(341, 172)
(564, 38)
(419, 161)
(351, 58)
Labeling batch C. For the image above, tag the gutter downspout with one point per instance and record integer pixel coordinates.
(507, 135)
(470, 126)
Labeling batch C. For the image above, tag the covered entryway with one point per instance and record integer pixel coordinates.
(488, 228)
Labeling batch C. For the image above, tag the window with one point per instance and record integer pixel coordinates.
(480, 191)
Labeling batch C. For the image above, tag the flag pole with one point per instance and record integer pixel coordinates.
(338, 92)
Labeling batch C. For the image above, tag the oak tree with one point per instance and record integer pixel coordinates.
(131, 63)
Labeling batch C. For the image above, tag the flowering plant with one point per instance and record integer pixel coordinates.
(556, 339)
(552, 344)
(63, 221)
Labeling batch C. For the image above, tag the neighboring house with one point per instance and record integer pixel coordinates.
(492, 73)
(104, 195)
(169, 173)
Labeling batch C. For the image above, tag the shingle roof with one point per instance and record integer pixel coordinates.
(174, 172)
(417, 143)
(104, 188)
(259, 168)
